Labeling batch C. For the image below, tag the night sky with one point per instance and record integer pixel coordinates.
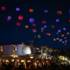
(41, 22)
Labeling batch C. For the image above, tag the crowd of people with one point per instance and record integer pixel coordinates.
(31, 65)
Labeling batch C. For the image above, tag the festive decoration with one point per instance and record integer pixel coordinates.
(37, 21)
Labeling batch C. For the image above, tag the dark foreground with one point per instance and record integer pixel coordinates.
(31, 66)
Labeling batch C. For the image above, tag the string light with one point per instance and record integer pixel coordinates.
(20, 17)
(17, 9)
